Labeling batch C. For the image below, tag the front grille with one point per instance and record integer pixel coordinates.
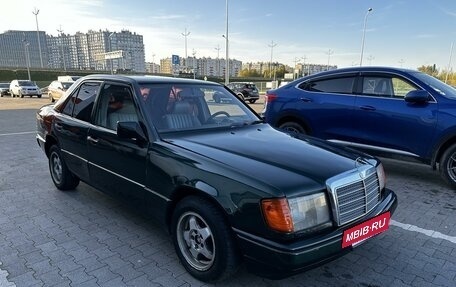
(354, 193)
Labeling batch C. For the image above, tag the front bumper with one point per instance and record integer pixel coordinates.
(279, 260)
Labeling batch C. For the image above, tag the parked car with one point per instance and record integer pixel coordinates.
(68, 78)
(388, 112)
(21, 88)
(57, 89)
(226, 185)
(245, 91)
(4, 89)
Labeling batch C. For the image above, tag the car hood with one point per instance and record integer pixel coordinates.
(284, 163)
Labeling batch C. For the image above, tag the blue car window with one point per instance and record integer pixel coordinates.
(342, 85)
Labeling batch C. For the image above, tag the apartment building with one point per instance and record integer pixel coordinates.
(22, 49)
(201, 66)
(84, 51)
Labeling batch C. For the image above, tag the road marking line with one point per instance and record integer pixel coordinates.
(21, 133)
(430, 233)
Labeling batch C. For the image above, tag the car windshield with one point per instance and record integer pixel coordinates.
(66, 85)
(26, 83)
(250, 86)
(179, 107)
(438, 86)
(3, 85)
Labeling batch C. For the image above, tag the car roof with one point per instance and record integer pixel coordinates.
(365, 69)
(148, 79)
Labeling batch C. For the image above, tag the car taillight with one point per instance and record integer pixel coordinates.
(270, 97)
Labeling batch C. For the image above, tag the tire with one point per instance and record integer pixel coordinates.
(39, 96)
(292, 128)
(20, 95)
(241, 96)
(447, 166)
(208, 259)
(62, 177)
(252, 101)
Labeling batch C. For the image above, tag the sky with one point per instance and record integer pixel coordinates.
(399, 33)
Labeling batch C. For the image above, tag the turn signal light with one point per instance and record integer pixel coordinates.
(277, 214)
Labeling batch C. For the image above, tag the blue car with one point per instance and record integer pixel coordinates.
(389, 112)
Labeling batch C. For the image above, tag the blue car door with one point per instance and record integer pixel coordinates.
(384, 121)
(326, 104)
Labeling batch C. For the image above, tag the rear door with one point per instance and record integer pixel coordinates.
(384, 121)
(72, 125)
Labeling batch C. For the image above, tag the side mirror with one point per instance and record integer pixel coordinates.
(417, 96)
(131, 130)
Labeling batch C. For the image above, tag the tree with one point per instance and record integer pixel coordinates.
(249, 73)
(430, 70)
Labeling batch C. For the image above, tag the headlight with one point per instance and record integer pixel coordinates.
(297, 213)
(381, 176)
(309, 211)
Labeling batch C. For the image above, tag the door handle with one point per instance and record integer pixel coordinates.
(306, 100)
(367, 108)
(92, 140)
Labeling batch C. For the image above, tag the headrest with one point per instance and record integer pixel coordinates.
(182, 107)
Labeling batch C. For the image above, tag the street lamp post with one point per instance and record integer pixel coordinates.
(330, 52)
(185, 34)
(110, 50)
(27, 58)
(272, 45)
(61, 45)
(35, 12)
(227, 64)
(364, 35)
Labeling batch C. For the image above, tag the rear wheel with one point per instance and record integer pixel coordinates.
(39, 96)
(447, 166)
(293, 128)
(20, 95)
(252, 101)
(62, 177)
(203, 240)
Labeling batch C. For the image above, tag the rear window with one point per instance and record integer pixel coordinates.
(334, 85)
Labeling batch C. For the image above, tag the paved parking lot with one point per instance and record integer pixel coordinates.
(85, 238)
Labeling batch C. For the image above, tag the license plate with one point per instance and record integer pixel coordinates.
(359, 233)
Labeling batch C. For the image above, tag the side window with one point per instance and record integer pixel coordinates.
(115, 104)
(377, 86)
(334, 85)
(401, 87)
(84, 101)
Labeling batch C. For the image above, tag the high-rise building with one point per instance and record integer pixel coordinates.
(17, 48)
(84, 51)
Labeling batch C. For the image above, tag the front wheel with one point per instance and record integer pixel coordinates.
(252, 101)
(447, 166)
(292, 128)
(62, 177)
(203, 240)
